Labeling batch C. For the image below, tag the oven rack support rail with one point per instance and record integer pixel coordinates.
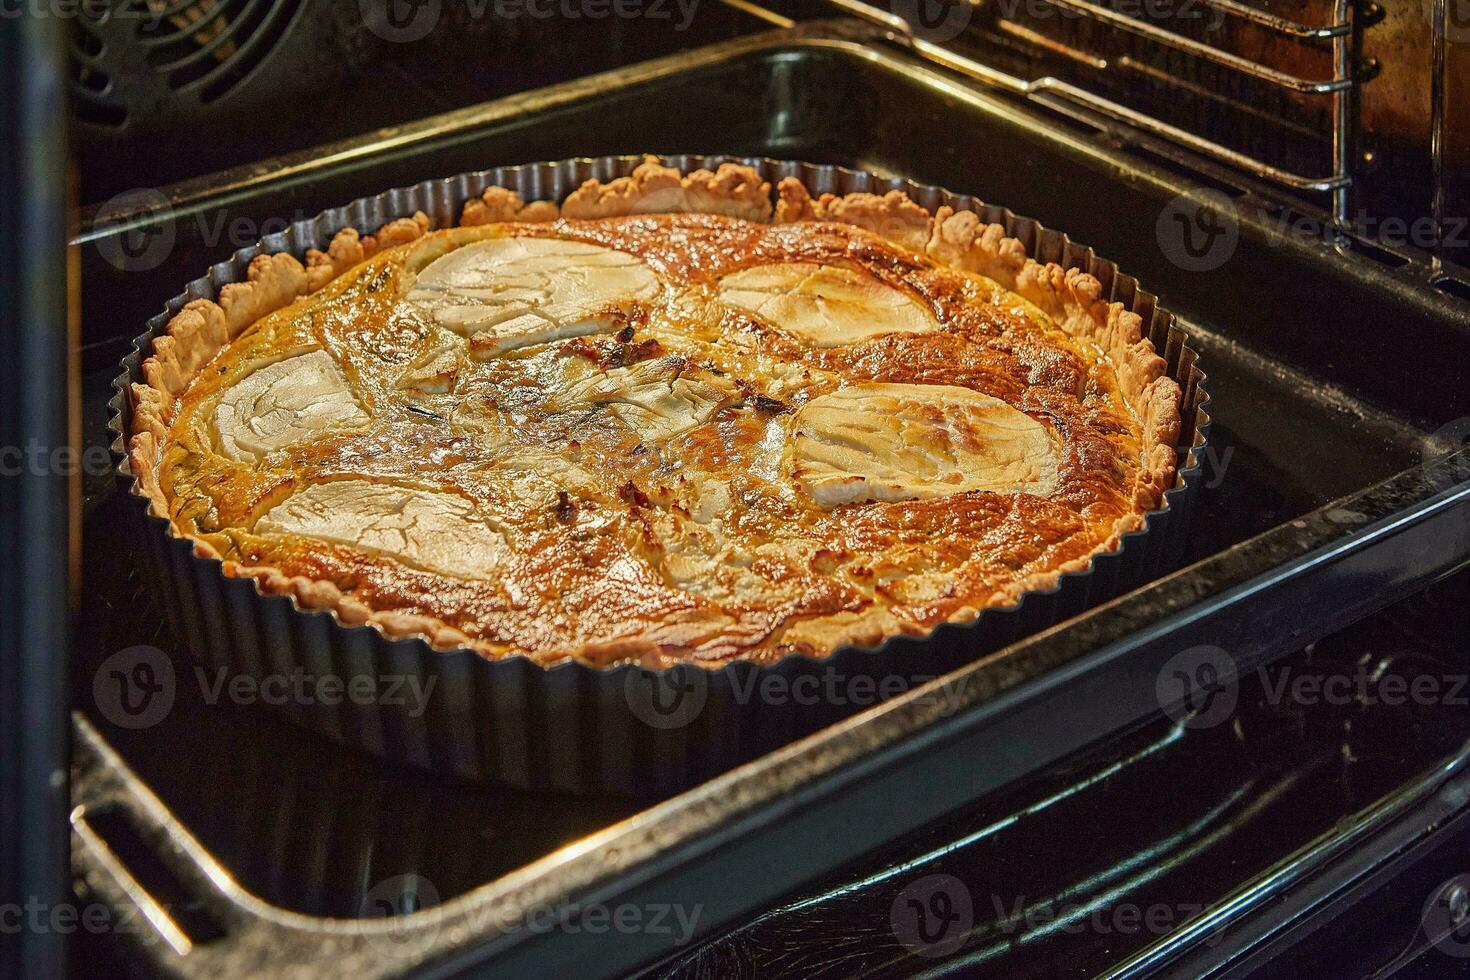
(1066, 97)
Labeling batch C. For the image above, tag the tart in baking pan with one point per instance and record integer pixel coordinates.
(675, 418)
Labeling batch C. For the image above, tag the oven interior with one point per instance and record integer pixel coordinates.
(1326, 372)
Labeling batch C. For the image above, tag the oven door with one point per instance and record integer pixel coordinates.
(38, 488)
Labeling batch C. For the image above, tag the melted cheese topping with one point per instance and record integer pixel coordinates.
(657, 399)
(516, 292)
(906, 442)
(825, 305)
(437, 531)
(285, 403)
(658, 438)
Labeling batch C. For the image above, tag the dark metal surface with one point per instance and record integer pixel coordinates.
(163, 92)
(1295, 535)
(37, 486)
(1088, 869)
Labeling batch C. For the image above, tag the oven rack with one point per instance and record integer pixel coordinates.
(1070, 98)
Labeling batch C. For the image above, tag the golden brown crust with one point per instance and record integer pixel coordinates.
(1072, 298)
(893, 216)
(202, 329)
(653, 188)
(499, 204)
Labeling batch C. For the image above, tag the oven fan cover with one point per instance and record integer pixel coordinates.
(168, 59)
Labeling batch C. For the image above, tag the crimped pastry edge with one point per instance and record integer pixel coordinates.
(960, 239)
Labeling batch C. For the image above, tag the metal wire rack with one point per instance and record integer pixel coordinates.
(1067, 96)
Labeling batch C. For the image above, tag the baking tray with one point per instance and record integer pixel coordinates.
(1328, 506)
(1080, 856)
(623, 728)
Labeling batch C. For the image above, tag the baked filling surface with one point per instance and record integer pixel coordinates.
(657, 436)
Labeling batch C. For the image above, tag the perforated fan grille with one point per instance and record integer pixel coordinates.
(96, 98)
(214, 43)
(166, 55)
